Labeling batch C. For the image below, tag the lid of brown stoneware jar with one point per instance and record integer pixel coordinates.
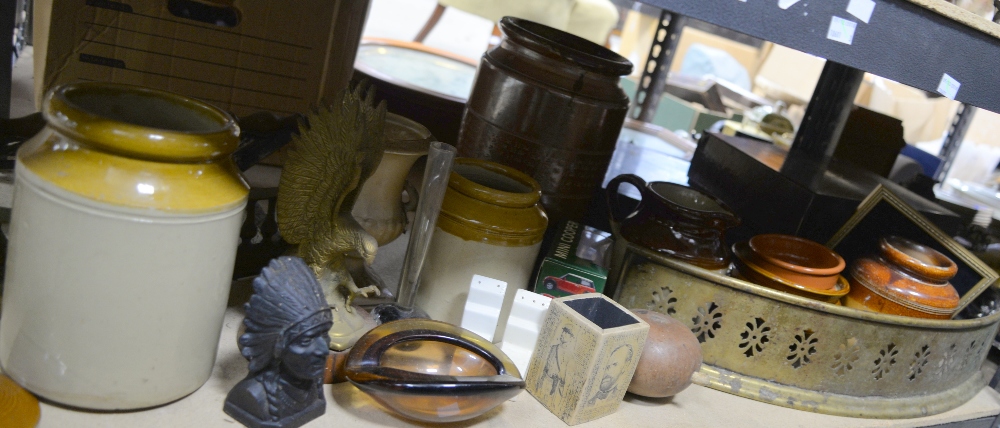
(918, 259)
(560, 45)
(887, 277)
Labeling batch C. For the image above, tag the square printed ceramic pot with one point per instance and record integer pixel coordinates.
(585, 356)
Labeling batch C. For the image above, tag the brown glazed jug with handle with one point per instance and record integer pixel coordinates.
(549, 104)
(676, 221)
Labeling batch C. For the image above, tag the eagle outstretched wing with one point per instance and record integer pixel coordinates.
(372, 138)
(328, 161)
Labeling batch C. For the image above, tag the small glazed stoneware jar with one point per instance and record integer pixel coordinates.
(126, 217)
(904, 278)
(491, 224)
(676, 221)
(797, 260)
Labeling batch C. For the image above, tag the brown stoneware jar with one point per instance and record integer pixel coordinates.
(675, 220)
(904, 278)
(547, 103)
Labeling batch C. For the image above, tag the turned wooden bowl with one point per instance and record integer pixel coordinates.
(796, 260)
(748, 270)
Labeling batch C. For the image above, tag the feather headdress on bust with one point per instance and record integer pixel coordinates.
(287, 301)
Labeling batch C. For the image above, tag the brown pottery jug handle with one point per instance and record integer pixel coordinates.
(614, 206)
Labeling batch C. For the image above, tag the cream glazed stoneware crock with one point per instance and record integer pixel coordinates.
(126, 217)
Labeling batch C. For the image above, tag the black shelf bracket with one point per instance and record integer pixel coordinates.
(956, 134)
(654, 72)
(823, 123)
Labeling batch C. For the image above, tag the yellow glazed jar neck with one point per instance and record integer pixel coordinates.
(141, 122)
(136, 148)
(492, 203)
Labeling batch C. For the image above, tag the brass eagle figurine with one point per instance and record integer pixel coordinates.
(337, 149)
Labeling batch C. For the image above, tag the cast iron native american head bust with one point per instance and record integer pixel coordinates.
(287, 342)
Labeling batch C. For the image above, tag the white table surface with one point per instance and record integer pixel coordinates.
(347, 406)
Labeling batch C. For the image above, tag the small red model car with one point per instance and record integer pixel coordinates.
(570, 283)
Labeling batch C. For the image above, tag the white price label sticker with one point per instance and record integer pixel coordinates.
(841, 30)
(948, 86)
(785, 4)
(861, 9)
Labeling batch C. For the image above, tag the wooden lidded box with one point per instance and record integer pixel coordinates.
(585, 356)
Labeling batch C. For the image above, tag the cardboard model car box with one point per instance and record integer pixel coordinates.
(575, 263)
(241, 55)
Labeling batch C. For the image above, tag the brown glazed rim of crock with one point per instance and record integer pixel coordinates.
(482, 192)
(559, 44)
(942, 271)
(63, 111)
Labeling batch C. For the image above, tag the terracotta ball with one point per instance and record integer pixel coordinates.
(671, 355)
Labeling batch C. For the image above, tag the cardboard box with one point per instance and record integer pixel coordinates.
(748, 56)
(788, 75)
(241, 55)
(576, 262)
(924, 118)
(676, 114)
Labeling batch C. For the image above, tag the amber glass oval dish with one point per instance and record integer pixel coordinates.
(432, 371)
(904, 278)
